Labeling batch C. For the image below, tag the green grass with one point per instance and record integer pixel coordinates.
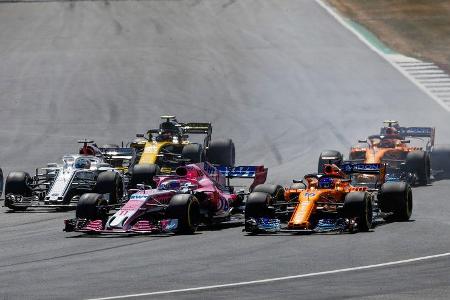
(418, 28)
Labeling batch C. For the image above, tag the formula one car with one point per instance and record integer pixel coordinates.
(122, 158)
(196, 194)
(61, 185)
(328, 202)
(159, 152)
(406, 162)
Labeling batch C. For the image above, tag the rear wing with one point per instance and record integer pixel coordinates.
(197, 128)
(118, 152)
(406, 132)
(258, 173)
(378, 170)
(121, 157)
(363, 168)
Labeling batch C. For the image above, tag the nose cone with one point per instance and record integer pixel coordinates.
(302, 213)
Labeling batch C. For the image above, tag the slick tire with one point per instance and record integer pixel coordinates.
(193, 152)
(396, 197)
(358, 205)
(329, 157)
(18, 183)
(92, 206)
(257, 206)
(275, 191)
(418, 162)
(185, 208)
(111, 183)
(221, 152)
(440, 161)
(143, 174)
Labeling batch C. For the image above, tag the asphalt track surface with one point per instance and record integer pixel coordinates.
(280, 77)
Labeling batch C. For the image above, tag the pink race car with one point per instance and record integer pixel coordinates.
(197, 194)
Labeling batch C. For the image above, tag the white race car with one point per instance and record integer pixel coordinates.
(61, 185)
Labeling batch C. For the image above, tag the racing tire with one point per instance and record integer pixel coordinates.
(329, 157)
(193, 152)
(70, 194)
(143, 174)
(396, 198)
(359, 205)
(258, 206)
(111, 183)
(275, 191)
(440, 161)
(91, 206)
(185, 208)
(418, 162)
(18, 183)
(221, 152)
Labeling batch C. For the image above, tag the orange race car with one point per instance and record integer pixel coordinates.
(329, 201)
(405, 150)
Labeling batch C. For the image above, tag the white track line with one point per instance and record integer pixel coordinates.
(397, 61)
(253, 282)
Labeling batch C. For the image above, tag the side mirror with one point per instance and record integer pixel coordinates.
(405, 141)
(140, 135)
(297, 181)
(362, 141)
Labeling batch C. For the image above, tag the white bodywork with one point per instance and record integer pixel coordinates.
(66, 172)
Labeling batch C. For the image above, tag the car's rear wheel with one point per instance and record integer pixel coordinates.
(92, 206)
(193, 152)
(440, 161)
(396, 198)
(110, 182)
(221, 152)
(143, 174)
(359, 205)
(185, 208)
(418, 163)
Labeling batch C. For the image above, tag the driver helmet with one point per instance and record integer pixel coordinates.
(82, 163)
(170, 185)
(391, 131)
(326, 183)
(169, 129)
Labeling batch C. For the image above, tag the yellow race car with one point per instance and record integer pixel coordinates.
(162, 150)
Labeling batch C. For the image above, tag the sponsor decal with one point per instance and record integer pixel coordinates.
(151, 149)
(131, 205)
(308, 194)
(222, 204)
